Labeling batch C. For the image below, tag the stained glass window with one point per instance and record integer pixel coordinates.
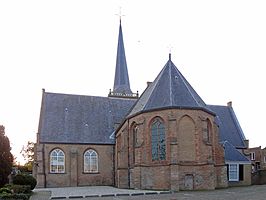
(158, 140)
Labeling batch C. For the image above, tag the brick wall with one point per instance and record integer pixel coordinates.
(189, 151)
(246, 178)
(74, 170)
(259, 177)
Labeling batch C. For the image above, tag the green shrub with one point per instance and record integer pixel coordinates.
(24, 179)
(15, 196)
(5, 190)
(8, 186)
(21, 189)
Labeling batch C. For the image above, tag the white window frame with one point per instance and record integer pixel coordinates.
(252, 156)
(233, 168)
(57, 161)
(90, 161)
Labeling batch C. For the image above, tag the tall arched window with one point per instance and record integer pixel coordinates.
(57, 161)
(90, 161)
(158, 140)
(207, 129)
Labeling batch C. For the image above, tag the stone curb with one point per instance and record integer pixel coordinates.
(113, 195)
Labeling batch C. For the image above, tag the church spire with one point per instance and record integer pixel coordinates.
(121, 83)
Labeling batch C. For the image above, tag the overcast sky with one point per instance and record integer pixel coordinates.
(70, 47)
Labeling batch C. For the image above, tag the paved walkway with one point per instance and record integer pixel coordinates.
(41, 195)
(89, 192)
(256, 192)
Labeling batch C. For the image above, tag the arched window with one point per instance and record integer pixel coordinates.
(90, 161)
(135, 142)
(207, 129)
(135, 135)
(158, 140)
(57, 161)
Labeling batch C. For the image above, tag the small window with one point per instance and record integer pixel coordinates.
(158, 140)
(57, 161)
(252, 155)
(257, 166)
(233, 172)
(264, 159)
(90, 161)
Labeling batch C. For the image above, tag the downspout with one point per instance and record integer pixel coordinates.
(44, 171)
(38, 135)
(128, 163)
(114, 163)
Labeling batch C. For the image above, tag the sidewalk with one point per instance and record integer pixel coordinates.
(92, 191)
(40, 195)
(255, 192)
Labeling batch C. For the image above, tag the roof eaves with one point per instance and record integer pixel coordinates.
(233, 154)
(91, 143)
(172, 107)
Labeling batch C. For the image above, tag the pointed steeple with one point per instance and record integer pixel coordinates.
(121, 83)
(169, 90)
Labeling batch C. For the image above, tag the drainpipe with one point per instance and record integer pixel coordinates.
(44, 171)
(128, 163)
(114, 163)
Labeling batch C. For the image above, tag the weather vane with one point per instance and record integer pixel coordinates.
(170, 47)
(120, 13)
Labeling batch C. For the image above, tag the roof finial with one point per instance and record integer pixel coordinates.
(170, 50)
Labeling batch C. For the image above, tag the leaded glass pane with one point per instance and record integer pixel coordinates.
(57, 161)
(158, 140)
(233, 172)
(90, 161)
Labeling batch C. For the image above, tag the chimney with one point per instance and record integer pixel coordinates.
(148, 83)
(229, 104)
(246, 143)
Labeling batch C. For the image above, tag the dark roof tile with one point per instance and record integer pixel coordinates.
(229, 127)
(231, 154)
(169, 90)
(81, 119)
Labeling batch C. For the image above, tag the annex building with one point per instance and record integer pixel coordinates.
(167, 138)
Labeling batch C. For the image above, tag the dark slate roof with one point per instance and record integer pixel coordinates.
(169, 90)
(231, 154)
(121, 83)
(69, 118)
(229, 127)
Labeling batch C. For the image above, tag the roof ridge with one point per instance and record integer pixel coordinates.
(169, 89)
(81, 95)
(154, 83)
(170, 82)
(188, 86)
(240, 131)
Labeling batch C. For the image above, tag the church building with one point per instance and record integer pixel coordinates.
(167, 138)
